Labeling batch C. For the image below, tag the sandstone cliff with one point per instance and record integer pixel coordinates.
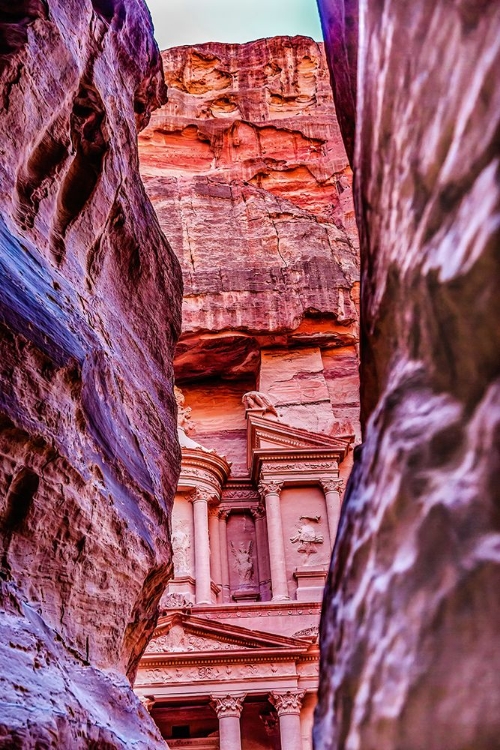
(410, 655)
(90, 311)
(247, 171)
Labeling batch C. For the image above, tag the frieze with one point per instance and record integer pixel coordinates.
(222, 673)
(239, 495)
(297, 467)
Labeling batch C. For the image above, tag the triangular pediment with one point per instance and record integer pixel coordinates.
(269, 435)
(186, 634)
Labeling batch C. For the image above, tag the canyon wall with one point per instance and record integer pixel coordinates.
(410, 655)
(90, 312)
(247, 171)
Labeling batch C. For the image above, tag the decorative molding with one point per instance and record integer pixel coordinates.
(227, 705)
(287, 703)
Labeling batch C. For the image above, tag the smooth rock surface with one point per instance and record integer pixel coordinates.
(90, 311)
(410, 655)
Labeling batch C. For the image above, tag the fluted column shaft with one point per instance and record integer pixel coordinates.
(332, 489)
(223, 516)
(203, 590)
(215, 551)
(270, 491)
(288, 707)
(228, 709)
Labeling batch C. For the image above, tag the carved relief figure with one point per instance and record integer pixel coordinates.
(181, 542)
(243, 562)
(307, 537)
(185, 424)
(259, 401)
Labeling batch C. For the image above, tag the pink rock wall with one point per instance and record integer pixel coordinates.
(247, 171)
(410, 653)
(90, 311)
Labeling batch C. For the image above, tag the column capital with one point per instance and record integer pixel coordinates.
(224, 513)
(332, 484)
(258, 512)
(287, 703)
(227, 705)
(201, 495)
(269, 487)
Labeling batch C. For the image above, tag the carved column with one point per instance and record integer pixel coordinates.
(223, 516)
(270, 491)
(215, 552)
(288, 707)
(262, 552)
(200, 499)
(228, 709)
(332, 489)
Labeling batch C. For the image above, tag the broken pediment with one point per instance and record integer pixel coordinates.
(271, 440)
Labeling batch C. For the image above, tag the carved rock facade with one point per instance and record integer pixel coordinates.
(410, 652)
(246, 168)
(89, 311)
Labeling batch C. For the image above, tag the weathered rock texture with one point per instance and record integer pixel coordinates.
(247, 171)
(90, 309)
(410, 655)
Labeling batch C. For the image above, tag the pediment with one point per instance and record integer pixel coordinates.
(185, 634)
(269, 436)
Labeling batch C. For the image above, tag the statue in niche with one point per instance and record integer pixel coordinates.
(307, 537)
(181, 542)
(258, 401)
(243, 562)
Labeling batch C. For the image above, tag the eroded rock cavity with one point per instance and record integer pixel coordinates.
(89, 310)
(410, 654)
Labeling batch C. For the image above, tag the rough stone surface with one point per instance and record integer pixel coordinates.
(247, 171)
(410, 655)
(90, 310)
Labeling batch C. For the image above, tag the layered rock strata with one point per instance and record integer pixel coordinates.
(248, 174)
(410, 652)
(90, 311)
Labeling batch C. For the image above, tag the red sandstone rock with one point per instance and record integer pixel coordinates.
(410, 655)
(89, 306)
(247, 172)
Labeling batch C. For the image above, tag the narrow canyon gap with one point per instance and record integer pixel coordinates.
(246, 168)
(90, 312)
(409, 634)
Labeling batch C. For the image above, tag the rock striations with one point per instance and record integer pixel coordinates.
(247, 171)
(90, 311)
(410, 655)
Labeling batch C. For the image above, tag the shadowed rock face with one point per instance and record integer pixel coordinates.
(90, 311)
(410, 654)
